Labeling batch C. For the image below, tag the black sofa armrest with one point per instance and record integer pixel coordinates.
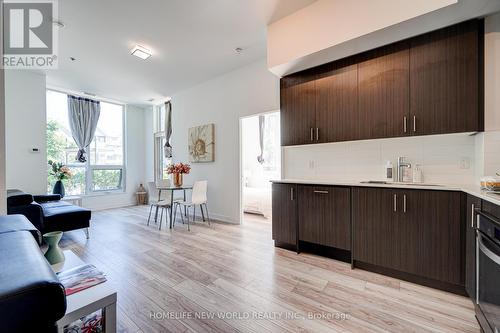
(32, 211)
(46, 198)
(19, 200)
(31, 297)
(18, 222)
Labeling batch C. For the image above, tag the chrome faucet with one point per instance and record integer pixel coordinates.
(402, 163)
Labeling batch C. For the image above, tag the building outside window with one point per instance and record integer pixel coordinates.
(104, 169)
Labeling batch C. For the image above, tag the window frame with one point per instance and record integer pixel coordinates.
(158, 136)
(89, 168)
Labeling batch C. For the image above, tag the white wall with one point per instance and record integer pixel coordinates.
(25, 129)
(135, 142)
(439, 155)
(149, 175)
(328, 30)
(488, 143)
(223, 100)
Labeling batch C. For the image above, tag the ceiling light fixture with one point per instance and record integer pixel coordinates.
(238, 50)
(59, 24)
(141, 52)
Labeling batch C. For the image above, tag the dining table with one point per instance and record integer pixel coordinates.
(172, 190)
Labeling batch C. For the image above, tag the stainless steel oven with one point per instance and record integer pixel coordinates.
(488, 272)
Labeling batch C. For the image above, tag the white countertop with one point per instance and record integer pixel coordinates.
(471, 189)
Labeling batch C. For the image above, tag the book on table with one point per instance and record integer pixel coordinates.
(80, 278)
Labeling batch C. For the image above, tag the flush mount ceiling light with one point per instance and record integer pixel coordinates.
(59, 24)
(141, 52)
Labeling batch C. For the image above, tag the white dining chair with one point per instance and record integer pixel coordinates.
(159, 201)
(198, 197)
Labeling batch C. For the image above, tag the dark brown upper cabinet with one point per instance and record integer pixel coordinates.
(336, 102)
(298, 109)
(383, 88)
(444, 80)
(324, 215)
(429, 84)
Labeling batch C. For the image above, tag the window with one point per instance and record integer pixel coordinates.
(272, 148)
(104, 169)
(161, 162)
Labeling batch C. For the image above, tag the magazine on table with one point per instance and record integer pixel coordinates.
(80, 278)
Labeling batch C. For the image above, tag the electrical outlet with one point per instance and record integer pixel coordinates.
(311, 164)
(464, 163)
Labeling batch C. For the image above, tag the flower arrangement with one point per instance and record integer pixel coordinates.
(59, 170)
(178, 168)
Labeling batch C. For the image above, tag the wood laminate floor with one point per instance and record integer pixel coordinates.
(228, 278)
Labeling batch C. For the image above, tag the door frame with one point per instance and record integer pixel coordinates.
(240, 159)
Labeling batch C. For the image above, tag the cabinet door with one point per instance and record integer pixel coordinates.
(376, 238)
(470, 245)
(337, 102)
(383, 88)
(284, 213)
(431, 242)
(324, 216)
(444, 72)
(298, 109)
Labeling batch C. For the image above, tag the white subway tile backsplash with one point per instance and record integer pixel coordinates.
(439, 155)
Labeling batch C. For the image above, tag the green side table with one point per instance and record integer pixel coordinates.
(54, 254)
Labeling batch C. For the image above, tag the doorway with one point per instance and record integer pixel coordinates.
(260, 162)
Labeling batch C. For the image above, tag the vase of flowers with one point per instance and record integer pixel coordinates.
(60, 172)
(177, 170)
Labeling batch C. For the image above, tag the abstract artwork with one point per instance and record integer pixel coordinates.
(201, 143)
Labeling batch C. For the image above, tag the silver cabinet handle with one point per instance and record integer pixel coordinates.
(317, 134)
(291, 194)
(312, 134)
(472, 217)
(321, 192)
(395, 202)
(404, 203)
(405, 120)
(414, 123)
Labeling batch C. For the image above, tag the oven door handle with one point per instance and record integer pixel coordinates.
(487, 252)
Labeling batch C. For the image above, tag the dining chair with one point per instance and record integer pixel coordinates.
(198, 197)
(159, 200)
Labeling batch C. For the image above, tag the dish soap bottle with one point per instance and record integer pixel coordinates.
(389, 171)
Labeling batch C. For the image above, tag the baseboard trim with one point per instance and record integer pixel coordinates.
(445, 286)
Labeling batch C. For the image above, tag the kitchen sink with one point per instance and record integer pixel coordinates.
(383, 182)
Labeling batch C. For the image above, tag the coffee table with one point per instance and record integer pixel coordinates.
(85, 302)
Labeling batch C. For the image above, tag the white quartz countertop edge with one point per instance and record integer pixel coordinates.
(471, 189)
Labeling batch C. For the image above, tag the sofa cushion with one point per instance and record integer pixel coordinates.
(63, 216)
(18, 222)
(31, 295)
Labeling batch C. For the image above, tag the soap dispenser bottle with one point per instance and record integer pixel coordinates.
(389, 171)
(418, 174)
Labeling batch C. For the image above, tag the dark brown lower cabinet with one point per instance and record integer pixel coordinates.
(284, 206)
(324, 215)
(412, 231)
(470, 245)
(375, 227)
